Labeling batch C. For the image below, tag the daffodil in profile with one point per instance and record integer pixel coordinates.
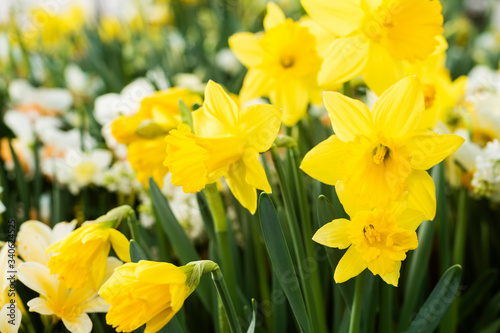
(144, 132)
(141, 293)
(282, 62)
(374, 38)
(380, 154)
(82, 254)
(226, 143)
(377, 239)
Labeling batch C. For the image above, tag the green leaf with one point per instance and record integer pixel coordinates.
(186, 116)
(416, 273)
(326, 212)
(180, 241)
(439, 301)
(176, 235)
(22, 185)
(136, 252)
(282, 261)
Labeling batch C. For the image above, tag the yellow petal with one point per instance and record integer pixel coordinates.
(344, 60)
(260, 123)
(158, 321)
(257, 83)
(339, 17)
(333, 234)
(324, 162)
(381, 70)
(292, 97)
(205, 125)
(274, 16)
(221, 106)
(392, 277)
(349, 266)
(255, 174)
(349, 117)
(120, 244)
(422, 193)
(246, 48)
(242, 191)
(348, 200)
(159, 272)
(428, 148)
(410, 219)
(186, 160)
(399, 108)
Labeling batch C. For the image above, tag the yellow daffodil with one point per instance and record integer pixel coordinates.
(144, 132)
(375, 37)
(82, 254)
(282, 63)
(141, 293)
(377, 239)
(57, 299)
(227, 143)
(380, 154)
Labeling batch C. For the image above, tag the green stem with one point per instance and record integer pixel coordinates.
(296, 240)
(346, 89)
(260, 258)
(220, 225)
(460, 234)
(357, 304)
(386, 309)
(307, 233)
(226, 301)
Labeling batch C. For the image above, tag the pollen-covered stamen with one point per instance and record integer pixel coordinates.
(380, 153)
(371, 234)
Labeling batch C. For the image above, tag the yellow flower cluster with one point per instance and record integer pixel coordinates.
(375, 159)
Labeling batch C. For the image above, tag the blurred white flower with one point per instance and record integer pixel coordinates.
(81, 169)
(80, 82)
(486, 179)
(121, 178)
(226, 60)
(44, 101)
(189, 81)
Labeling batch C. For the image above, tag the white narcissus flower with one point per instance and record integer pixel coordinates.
(44, 100)
(55, 298)
(84, 169)
(34, 237)
(71, 306)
